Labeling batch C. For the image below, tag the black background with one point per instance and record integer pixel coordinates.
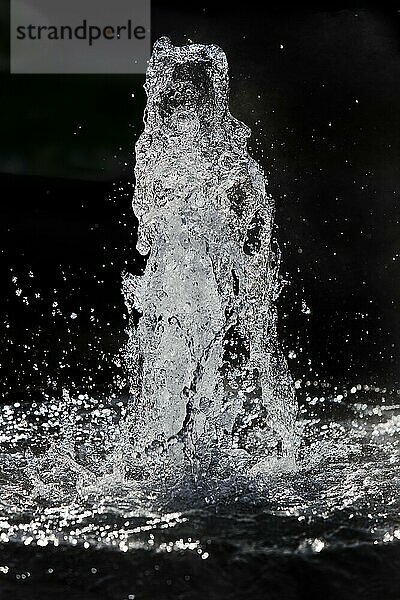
(325, 115)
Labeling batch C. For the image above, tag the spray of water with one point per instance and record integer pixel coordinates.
(212, 419)
(212, 401)
(210, 385)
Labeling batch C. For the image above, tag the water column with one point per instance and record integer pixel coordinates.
(206, 372)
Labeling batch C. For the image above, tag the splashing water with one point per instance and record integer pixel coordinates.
(211, 396)
(202, 462)
(205, 364)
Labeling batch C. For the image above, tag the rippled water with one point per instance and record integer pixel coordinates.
(344, 493)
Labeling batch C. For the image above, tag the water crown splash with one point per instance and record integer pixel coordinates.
(211, 388)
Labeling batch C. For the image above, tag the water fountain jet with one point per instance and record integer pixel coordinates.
(207, 375)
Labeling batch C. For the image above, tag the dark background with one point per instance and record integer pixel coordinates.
(325, 115)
